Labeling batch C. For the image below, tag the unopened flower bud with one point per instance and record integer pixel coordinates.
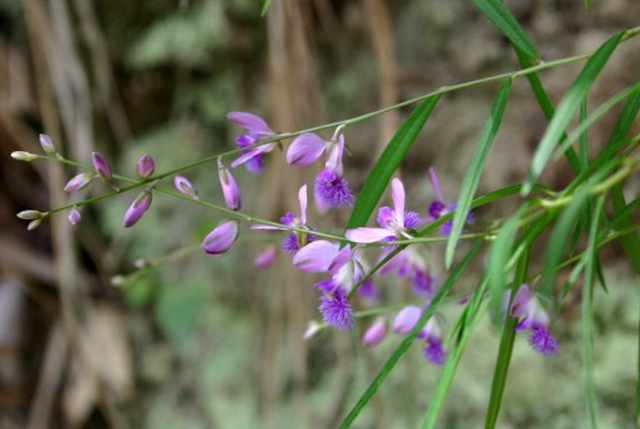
(47, 144)
(375, 334)
(101, 167)
(34, 224)
(74, 216)
(118, 281)
(30, 214)
(230, 189)
(184, 186)
(221, 239)
(406, 319)
(20, 155)
(146, 166)
(140, 263)
(265, 259)
(137, 208)
(78, 182)
(312, 329)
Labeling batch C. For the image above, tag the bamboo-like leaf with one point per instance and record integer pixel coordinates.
(626, 118)
(388, 162)
(581, 130)
(476, 166)
(501, 16)
(506, 348)
(568, 106)
(587, 312)
(408, 340)
(467, 320)
(499, 254)
(560, 234)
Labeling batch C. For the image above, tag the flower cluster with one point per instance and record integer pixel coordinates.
(340, 259)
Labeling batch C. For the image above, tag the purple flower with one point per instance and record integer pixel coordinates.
(336, 310)
(367, 290)
(422, 283)
(542, 341)
(392, 221)
(221, 239)
(375, 334)
(406, 319)
(146, 166)
(256, 128)
(434, 353)
(532, 316)
(265, 259)
(291, 243)
(137, 208)
(101, 167)
(230, 189)
(439, 207)
(78, 182)
(47, 144)
(185, 187)
(331, 188)
(74, 216)
(316, 257)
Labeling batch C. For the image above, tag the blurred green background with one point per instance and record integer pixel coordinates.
(206, 342)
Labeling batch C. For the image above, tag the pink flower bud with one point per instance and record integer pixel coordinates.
(74, 216)
(375, 334)
(406, 319)
(184, 186)
(146, 166)
(230, 189)
(221, 239)
(265, 259)
(135, 211)
(101, 167)
(47, 144)
(78, 182)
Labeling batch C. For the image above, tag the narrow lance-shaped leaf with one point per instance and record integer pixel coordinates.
(501, 16)
(388, 162)
(408, 340)
(265, 7)
(590, 257)
(476, 166)
(467, 320)
(568, 106)
(506, 347)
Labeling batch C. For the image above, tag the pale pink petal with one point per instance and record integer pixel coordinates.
(316, 257)
(302, 197)
(267, 228)
(305, 149)
(368, 235)
(250, 122)
(397, 193)
(521, 301)
(406, 319)
(342, 258)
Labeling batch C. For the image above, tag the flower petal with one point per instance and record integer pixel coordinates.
(316, 257)
(250, 122)
(302, 197)
(305, 149)
(398, 196)
(406, 319)
(368, 235)
(521, 301)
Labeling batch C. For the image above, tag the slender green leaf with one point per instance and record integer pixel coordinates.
(626, 118)
(581, 130)
(388, 162)
(571, 101)
(501, 16)
(498, 263)
(265, 7)
(467, 320)
(506, 348)
(408, 340)
(560, 235)
(590, 257)
(472, 177)
(583, 154)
